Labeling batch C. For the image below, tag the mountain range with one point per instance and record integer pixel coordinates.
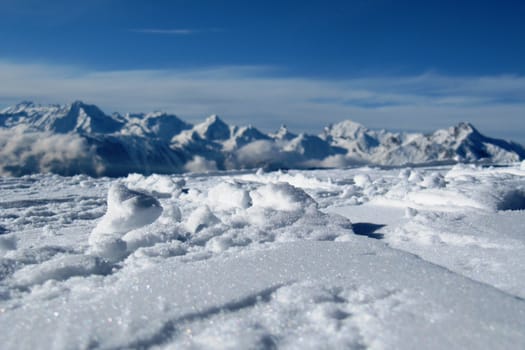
(79, 138)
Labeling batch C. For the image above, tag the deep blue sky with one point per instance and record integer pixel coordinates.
(322, 38)
(319, 41)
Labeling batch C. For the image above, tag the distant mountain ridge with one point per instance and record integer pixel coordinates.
(79, 138)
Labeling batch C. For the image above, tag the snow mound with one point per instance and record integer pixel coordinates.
(127, 210)
(60, 268)
(226, 196)
(362, 180)
(282, 197)
(299, 180)
(201, 218)
(157, 185)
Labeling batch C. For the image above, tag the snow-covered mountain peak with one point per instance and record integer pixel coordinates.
(84, 118)
(19, 107)
(347, 129)
(79, 104)
(25, 104)
(283, 134)
(163, 143)
(213, 128)
(464, 129)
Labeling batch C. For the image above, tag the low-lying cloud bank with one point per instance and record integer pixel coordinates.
(25, 152)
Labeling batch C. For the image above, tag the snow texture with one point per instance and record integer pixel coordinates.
(359, 258)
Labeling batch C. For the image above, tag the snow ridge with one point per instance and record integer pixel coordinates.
(157, 142)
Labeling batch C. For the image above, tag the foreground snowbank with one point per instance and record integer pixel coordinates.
(358, 258)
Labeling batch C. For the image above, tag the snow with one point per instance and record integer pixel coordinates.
(343, 258)
(79, 138)
(127, 210)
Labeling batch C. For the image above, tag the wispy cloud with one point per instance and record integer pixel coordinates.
(177, 31)
(243, 95)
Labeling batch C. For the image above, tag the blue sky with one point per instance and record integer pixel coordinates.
(414, 65)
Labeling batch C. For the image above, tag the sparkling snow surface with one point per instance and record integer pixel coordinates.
(359, 258)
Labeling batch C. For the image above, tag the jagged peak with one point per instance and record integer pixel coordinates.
(283, 133)
(466, 126)
(19, 107)
(213, 121)
(78, 104)
(25, 103)
(214, 118)
(346, 129)
(283, 130)
(213, 128)
(462, 130)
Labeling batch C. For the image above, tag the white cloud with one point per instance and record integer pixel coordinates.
(200, 165)
(259, 96)
(23, 151)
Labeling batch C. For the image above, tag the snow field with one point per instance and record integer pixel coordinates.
(356, 258)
